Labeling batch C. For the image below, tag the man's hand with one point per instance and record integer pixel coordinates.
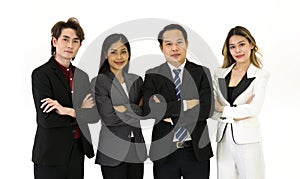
(49, 105)
(192, 103)
(120, 108)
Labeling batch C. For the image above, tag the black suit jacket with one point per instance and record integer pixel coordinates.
(115, 134)
(55, 133)
(196, 84)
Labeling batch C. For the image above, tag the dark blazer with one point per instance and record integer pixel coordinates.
(196, 84)
(55, 133)
(115, 134)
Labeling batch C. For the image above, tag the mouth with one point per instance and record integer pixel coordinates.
(239, 56)
(176, 55)
(119, 62)
(68, 51)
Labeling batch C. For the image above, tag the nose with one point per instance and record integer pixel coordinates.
(174, 47)
(70, 44)
(237, 50)
(118, 56)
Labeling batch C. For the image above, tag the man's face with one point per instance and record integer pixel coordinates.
(174, 47)
(67, 44)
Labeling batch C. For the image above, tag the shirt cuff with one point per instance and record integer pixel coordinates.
(184, 105)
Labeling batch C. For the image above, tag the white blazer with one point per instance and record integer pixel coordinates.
(247, 130)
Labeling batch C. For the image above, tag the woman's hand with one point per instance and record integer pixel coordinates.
(248, 102)
(218, 106)
(88, 101)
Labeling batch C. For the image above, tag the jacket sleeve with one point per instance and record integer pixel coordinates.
(84, 87)
(204, 110)
(157, 110)
(109, 116)
(254, 108)
(42, 88)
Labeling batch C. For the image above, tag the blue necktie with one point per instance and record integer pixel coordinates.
(177, 83)
(181, 133)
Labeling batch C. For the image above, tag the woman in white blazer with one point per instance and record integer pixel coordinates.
(239, 89)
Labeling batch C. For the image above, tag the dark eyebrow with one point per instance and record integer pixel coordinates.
(65, 36)
(238, 42)
(113, 49)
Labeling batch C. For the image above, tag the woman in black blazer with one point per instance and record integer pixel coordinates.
(121, 149)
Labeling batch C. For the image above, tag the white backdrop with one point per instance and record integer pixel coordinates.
(274, 24)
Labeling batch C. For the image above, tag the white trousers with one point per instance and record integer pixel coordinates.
(239, 161)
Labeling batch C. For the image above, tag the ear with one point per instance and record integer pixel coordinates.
(251, 46)
(54, 41)
(161, 48)
(187, 44)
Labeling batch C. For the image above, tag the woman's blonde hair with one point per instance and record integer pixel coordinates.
(241, 31)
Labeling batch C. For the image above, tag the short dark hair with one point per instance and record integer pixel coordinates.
(113, 38)
(72, 23)
(171, 27)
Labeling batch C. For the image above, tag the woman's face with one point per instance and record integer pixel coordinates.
(240, 48)
(117, 56)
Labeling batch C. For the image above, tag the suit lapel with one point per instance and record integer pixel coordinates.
(132, 90)
(241, 87)
(187, 81)
(166, 72)
(116, 87)
(60, 76)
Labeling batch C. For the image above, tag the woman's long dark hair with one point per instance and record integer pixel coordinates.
(113, 38)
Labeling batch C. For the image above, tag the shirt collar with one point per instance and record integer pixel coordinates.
(181, 67)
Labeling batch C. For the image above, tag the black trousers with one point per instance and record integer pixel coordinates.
(182, 163)
(126, 169)
(123, 171)
(73, 169)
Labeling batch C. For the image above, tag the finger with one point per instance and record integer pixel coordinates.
(91, 105)
(50, 104)
(88, 96)
(49, 110)
(44, 104)
(45, 99)
(47, 107)
(155, 98)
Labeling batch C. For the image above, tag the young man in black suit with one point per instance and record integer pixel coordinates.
(178, 95)
(62, 104)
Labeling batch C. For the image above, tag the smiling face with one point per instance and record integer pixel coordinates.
(117, 55)
(67, 45)
(240, 49)
(174, 47)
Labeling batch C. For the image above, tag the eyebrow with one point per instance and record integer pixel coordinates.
(238, 42)
(167, 40)
(65, 36)
(117, 49)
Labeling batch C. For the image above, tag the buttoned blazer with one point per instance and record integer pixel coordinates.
(253, 83)
(55, 133)
(116, 128)
(196, 84)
